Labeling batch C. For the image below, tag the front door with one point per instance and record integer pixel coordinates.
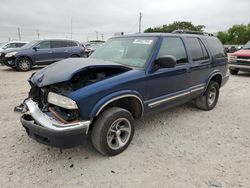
(43, 53)
(168, 85)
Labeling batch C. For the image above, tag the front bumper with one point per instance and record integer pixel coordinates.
(240, 66)
(48, 130)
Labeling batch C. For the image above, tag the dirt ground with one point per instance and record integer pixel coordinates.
(183, 147)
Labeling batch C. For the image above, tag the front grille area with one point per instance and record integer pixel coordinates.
(2, 57)
(243, 60)
(39, 96)
(243, 57)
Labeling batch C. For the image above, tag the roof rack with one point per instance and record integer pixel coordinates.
(192, 32)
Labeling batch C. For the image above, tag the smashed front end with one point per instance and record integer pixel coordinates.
(53, 119)
(50, 116)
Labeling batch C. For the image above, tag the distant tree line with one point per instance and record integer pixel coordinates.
(237, 34)
(168, 28)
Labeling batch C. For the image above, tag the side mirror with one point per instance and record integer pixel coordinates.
(35, 48)
(168, 61)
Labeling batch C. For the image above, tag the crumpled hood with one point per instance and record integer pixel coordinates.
(64, 70)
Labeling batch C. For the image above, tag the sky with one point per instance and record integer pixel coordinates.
(53, 18)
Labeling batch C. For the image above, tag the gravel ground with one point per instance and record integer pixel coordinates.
(181, 147)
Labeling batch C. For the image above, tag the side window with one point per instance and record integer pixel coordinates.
(58, 44)
(197, 49)
(19, 44)
(173, 46)
(71, 44)
(216, 47)
(43, 45)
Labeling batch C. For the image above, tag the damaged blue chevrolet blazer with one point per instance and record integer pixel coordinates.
(122, 81)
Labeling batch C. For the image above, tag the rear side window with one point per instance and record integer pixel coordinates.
(71, 44)
(20, 44)
(216, 47)
(197, 49)
(173, 46)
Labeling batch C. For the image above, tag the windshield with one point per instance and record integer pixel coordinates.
(247, 45)
(130, 51)
(31, 44)
(2, 45)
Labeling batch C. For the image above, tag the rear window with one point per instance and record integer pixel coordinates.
(216, 47)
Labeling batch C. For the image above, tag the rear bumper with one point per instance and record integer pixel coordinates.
(49, 131)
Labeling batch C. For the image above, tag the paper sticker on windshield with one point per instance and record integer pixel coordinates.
(142, 41)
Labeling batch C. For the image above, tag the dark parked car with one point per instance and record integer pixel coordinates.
(41, 52)
(125, 79)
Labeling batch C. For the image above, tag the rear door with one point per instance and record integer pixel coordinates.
(61, 50)
(200, 61)
(43, 53)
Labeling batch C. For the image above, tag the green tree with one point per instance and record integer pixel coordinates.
(237, 34)
(168, 28)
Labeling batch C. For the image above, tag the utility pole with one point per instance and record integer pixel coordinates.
(96, 35)
(102, 36)
(38, 34)
(19, 34)
(71, 28)
(140, 17)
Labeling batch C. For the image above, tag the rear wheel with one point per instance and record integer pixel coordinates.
(210, 98)
(113, 131)
(23, 64)
(234, 71)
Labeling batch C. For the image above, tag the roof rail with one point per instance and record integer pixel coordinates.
(192, 32)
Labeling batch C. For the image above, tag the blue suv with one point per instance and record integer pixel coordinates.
(41, 52)
(124, 80)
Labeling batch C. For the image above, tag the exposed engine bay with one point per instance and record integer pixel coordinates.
(79, 80)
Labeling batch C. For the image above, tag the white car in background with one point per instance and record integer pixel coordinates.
(13, 44)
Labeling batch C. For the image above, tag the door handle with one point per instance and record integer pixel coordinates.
(50, 52)
(66, 51)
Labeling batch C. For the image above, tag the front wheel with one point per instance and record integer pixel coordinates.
(23, 64)
(210, 98)
(113, 131)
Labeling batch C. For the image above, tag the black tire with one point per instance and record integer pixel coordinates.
(74, 56)
(210, 98)
(104, 137)
(234, 71)
(23, 64)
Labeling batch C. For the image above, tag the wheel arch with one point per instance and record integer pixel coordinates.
(131, 101)
(25, 56)
(215, 76)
